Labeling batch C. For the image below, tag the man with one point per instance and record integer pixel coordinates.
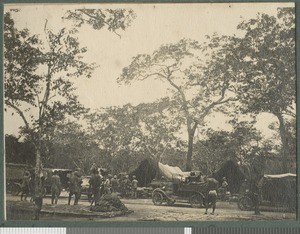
(134, 184)
(211, 194)
(95, 185)
(75, 187)
(25, 185)
(255, 193)
(114, 184)
(55, 187)
(223, 189)
(127, 186)
(107, 184)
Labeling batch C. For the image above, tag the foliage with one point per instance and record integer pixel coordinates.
(129, 133)
(244, 144)
(17, 151)
(40, 76)
(69, 146)
(113, 20)
(268, 59)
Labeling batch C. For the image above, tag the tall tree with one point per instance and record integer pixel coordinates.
(267, 61)
(38, 80)
(195, 91)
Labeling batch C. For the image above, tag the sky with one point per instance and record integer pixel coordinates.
(155, 24)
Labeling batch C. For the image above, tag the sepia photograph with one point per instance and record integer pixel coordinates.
(149, 112)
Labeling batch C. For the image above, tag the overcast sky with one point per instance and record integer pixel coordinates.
(155, 24)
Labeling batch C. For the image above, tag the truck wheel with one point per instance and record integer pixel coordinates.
(157, 198)
(196, 201)
(245, 203)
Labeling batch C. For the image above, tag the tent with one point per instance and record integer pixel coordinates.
(149, 169)
(233, 173)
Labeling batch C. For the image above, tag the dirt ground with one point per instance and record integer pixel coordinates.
(144, 210)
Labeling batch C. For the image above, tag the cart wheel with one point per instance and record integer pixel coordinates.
(196, 201)
(245, 203)
(157, 198)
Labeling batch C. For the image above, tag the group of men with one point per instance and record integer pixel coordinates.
(74, 187)
(101, 185)
(27, 186)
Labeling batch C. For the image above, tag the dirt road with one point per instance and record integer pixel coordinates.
(144, 210)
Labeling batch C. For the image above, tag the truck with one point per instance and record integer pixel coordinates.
(179, 190)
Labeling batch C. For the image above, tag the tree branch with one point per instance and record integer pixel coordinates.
(94, 17)
(152, 74)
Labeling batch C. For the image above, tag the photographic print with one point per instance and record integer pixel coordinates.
(150, 112)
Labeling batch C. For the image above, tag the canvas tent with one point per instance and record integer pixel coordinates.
(149, 169)
(234, 174)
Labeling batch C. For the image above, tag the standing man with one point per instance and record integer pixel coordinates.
(134, 184)
(114, 184)
(223, 189)
(255, 193)
(127, 184)
(107, 184)
(25, 185)
(55, 187)
(75, 187)
(95, 184)
(211, 194)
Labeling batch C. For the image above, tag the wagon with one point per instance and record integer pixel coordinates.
(278, 191)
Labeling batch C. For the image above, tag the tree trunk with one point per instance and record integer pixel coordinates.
(284, 141)
(191, 134)
(38, 165)
(189, 153)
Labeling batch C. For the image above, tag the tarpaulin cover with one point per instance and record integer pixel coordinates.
(279, 176)
(149, 169)
(170, 172)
